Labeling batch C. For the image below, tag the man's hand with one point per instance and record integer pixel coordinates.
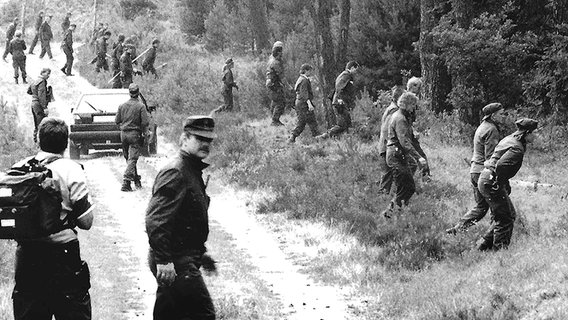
(165, 274)
(423, 162)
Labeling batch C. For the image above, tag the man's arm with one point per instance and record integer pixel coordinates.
(82, 208)
(403, 132)
(490, 142)
(144, 121)
(42, 93)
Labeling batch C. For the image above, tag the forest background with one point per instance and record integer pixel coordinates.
(469, 53)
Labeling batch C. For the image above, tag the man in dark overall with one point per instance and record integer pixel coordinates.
(17, 49)
(9, 36)
(228, 85)
(117, 51)
(40, 98)
(45, 37)
(66, 22)
(275, 82)
(132, 41)
(385, 183)
(399, 149)
(67, 47)
(37, 26)
(177, 225)
(132, 118)
(50, 277)
(150, 59)
(102, 48)
(304, 107)
(126, 69)
(485, 140)
(494, 184)
(343, 101)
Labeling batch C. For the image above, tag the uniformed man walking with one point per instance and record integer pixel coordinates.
(494, 184)
(485, 140)
(37, 27)
(228, 85)
(132, 118)
(17, 49)
(126, 69)
(177, 225)
(117, 51)
(40, 98)
(102, 48)
(343, 100)
(150, 59)
(275, 82)
(67, 47)
(9, 36)
(399, 149)
(45, 37)
(304, 106)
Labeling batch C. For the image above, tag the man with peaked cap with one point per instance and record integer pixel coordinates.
(67, 47)
(275, 82)
(37, 26)
(485, 140)
(101, 49)
(150, 59)
(132, 118)
(126, 68)
(494, 184)
(228, 85)
(17, 49)
(9, 36)
(117, 51)
(177, 225)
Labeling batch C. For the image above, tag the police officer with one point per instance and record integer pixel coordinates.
(177, 225)
(399, 149)
(304, 106)
(40, 98)
(343, 100)
(9, 36)
(494, 184)
(132, 118)
(38, 23)
(45, 37)
(126, 69)
(67, 47)
(117, 51)
(17, 49)
(275, 82)
(150, 59)
(102, 48)
(485, 140)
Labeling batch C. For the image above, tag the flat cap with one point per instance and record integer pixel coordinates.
(133, 88)
(200, 126)
(526, 124)
(230, 60)
(490, 109)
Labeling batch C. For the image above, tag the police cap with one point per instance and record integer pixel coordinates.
(490, 109)
(200, 126)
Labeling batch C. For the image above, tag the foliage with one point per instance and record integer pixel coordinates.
(192, 14)
(9, 10)
(217, 25)
(133, 8)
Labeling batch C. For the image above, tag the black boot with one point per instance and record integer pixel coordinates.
(126, 186)
(138, 182)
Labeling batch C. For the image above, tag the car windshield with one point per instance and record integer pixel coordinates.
(98, 103)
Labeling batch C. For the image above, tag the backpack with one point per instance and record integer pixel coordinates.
(30, 202)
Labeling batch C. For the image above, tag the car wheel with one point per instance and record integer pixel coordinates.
(74, 152)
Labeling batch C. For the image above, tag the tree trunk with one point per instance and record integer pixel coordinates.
(259, 24)
(560, 11)
(23, 19)
(344, 23)
(436, 81)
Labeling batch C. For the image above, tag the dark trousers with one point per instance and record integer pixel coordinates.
(126, 80)
(503, 214)
(278, 102)
(385, 184)
(34, 42)
(149, 68)
(227, 99)
(101, 63)
(402, 176)
(188, 297)
(19, 65)
(69, 61)
(305, 116)
(131, 144)
(480, 208)
(6, 49)
(38, 113)
(51, 280)
(342, 118)
(46, 48)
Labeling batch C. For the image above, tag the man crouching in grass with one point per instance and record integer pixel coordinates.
(177, 224)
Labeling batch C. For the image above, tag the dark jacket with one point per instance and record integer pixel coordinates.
(132, 115)
(385, 120)
(228, 80)
(39, 92)
(38, 22)
(303, 89)
(117, 51)
(102, 47)
(274, 73)
(400, 134)
(507, 158)
(11, 31)
(344, 89)
(67, 42)
(126, 64)
(45, 33)
(177, 221)
(150, 58)
(17, 48)
(485, 140)
(65, 24)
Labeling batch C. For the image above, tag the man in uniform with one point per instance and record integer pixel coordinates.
(228, 85)
(45, 37)
(387, 174)
(150, 58)
(132, 118)
(414, 85)
(102, 48)
(485, 140)
(275, 82)
(38, 23)
(494, 184)
(126, 69)
(303, 104)
(9, 36)
(399, 149)
(177, 225)
(132, 41)
(50, 277)
(343, 100)
(67, 47)
(40, 98)
(66, 22)
(17, 49)
(117, 51)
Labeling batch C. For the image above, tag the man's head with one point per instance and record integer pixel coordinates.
(306, 69)
(40, 14)
(53, 135)
(352, 66)
(18, 33)
(526, 128)
(230, 63)
(277, 49)
(155, 43)
(68, 14)
(134, 90)
(48, 18)
(197, 135)
(16, 20)
(494, 111)
(408, 101)
(130, 48)
(121, 37)
(107, 34)
(414, 85)
(72, 27)
(45, 73)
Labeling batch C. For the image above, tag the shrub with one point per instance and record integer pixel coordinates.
(133, 8)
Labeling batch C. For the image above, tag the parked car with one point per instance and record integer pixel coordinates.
(93, 125)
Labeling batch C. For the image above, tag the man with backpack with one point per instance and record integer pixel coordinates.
(50, 277)
(39, 90)
(17, 49)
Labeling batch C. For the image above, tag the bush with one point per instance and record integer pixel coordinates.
(133, 8)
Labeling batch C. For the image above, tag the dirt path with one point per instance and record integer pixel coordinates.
(116, 247)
